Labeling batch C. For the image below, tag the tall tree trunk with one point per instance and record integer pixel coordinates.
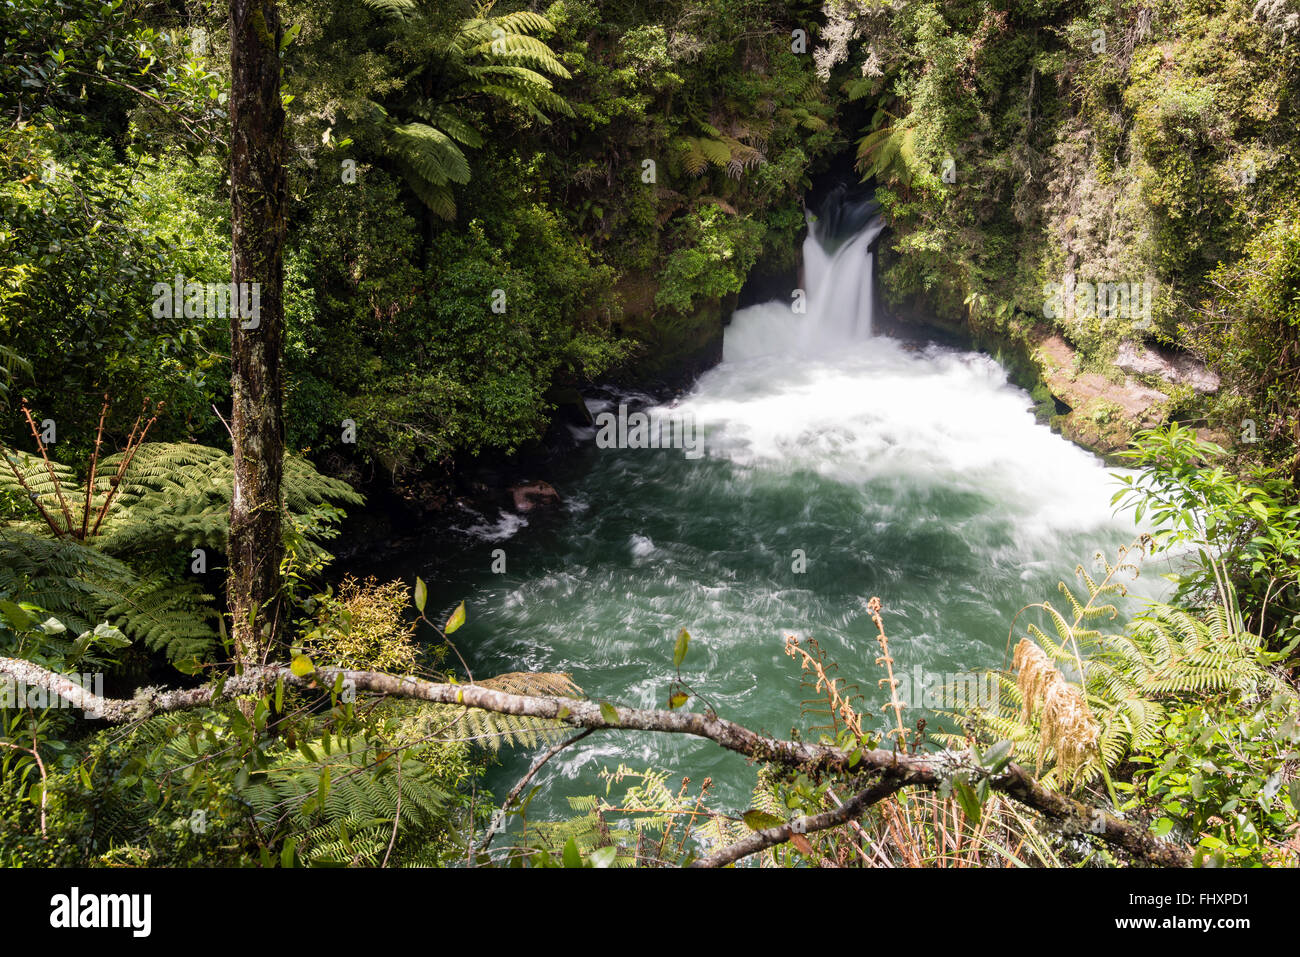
(257, 214)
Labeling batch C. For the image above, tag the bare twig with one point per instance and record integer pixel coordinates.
(49, 467)
(94, 463)
(761, 840)
(523, 782)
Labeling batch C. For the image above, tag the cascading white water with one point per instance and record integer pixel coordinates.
(835, 308)
(815, 391)
(839, 285)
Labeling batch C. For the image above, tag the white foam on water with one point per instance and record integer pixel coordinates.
(818, 392)
(505, 525)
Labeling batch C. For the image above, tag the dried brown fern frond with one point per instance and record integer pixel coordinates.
(838, 697)
(547, 684)
(873, 607)
(1067, 723)
(719, 202)
(492, 730)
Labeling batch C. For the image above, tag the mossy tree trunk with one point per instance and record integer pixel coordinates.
(257, 198)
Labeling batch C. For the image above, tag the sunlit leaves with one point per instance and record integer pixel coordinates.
(455, 620)
(679, 648)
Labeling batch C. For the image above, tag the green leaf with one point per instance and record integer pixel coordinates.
(967, 799)
(603, 856)
(17, 617)
(609, 712)
(997, 757)
(675, 701)
(289, 36)
(110, 636)
(456, 620)
(761, 820)
(421, 594)
(571, 856)
(302, 666)
(679, 650)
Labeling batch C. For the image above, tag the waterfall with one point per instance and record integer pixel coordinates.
(836, 304)
(839, 282)
(814, 390)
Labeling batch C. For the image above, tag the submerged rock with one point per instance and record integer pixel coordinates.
(528, 496)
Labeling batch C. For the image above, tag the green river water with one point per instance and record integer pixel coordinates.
(912, 473)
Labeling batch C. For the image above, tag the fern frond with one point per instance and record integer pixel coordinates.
(43, 486)
(548, 684)
(494, 730)
(452, 124)
(888, 152)
(439, 199)
(81, 586)
(393, 8)
(523, 21)
(431, 152)
(367, 792)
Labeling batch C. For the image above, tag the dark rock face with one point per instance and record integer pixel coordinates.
(528, 496)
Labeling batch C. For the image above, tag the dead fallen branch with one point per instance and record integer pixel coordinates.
(891, 770)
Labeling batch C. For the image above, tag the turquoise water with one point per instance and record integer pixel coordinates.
(836, 466)
(916, 475)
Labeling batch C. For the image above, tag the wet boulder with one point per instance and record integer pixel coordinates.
(529, 496)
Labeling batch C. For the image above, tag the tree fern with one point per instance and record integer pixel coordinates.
(392, 8)
(431, 153)
(887, 151)
(734, 149)
(341, 801)
(81, 587)
(169, 499)
(172, 497)
(486, 59)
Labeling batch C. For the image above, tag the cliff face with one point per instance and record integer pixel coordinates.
(1070, 183)
(674, 347)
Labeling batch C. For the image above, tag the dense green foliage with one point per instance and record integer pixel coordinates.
(440, 337)
(491, 205)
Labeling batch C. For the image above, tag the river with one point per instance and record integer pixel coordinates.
(837, 465)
